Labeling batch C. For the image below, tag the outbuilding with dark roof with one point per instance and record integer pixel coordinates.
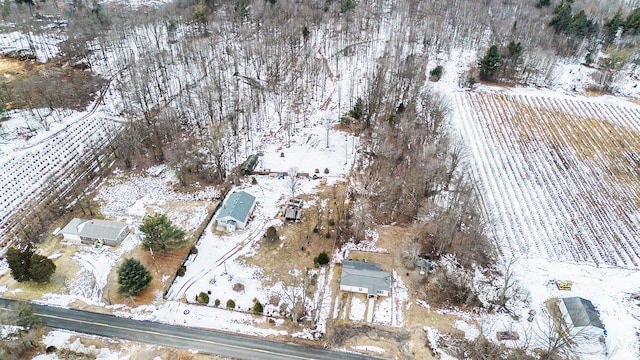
(365, 278)
(581, 316)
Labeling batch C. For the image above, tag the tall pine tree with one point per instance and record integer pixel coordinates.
(19, 261)
(160, 233)
(489, 63)
(133, 277)
(41, 268)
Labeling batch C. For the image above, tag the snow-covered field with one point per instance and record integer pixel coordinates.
(560, 208)
(559, 184)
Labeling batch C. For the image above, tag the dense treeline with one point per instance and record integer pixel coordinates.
(197, 80)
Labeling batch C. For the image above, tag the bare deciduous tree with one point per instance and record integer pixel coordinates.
(293, 180)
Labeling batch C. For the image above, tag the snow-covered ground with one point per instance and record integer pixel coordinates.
(49, 151)
(554, 236)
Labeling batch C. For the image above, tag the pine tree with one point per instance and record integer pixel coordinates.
(321, 259)
(581, 25)
(133, 277)
(160, 233)
(41, 268)
(632, 23)
(358, 109)
(257, 307)
(489, 63)
(542, 3)
(561, 19)
(19, 261)
(612, 26)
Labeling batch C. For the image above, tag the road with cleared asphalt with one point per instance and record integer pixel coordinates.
(206, 341)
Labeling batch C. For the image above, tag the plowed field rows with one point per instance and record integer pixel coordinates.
(559, 178)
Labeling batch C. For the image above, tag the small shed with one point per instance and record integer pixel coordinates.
(293, 214)
(365, 278)
(581, 316)
(89, 231)
(236, 211)
(250, 164)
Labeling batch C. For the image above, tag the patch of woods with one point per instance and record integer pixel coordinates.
(603, 42)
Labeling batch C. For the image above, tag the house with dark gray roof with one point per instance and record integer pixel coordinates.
(89, 231)
(365, 278)
(236, 211)
(581, 316)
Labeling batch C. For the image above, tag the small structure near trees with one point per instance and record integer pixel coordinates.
(250, 164)
(581, 317)
(365, 278)
(236, 211)
(293, 212)
(90, 231)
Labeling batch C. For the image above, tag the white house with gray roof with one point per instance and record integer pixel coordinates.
(236, 211)
(365, 278)
(89, 231)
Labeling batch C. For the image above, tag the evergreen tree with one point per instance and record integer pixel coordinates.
(358, 109)
(133, 277)
(612, 26)
(257, 307)
(347, 5)
(514, 49)
(436, 73)
(489, 63)
(41, 268)
(632, 23)
(321, 259)
(581, 25)
(542, 3)
(19, 262)
(561, 19)
(160, 233)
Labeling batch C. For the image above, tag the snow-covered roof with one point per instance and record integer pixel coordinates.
(582, 312)
(238, 206)
(95, 229)
(366, 275)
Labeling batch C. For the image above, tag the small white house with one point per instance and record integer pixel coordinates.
(236, 211)
(89, 231)
(365, 278)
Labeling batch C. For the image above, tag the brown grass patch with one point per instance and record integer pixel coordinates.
(162, 267)
(13, 68)
(31, 84)
(301, 244)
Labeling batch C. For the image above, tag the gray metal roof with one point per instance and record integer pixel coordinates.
(582, 312)
(365, 275)
(95, 229)
(72, 227)
(237, 206)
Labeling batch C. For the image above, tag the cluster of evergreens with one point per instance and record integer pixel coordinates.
(26, 265)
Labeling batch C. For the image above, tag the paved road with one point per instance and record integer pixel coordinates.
(236, 346)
